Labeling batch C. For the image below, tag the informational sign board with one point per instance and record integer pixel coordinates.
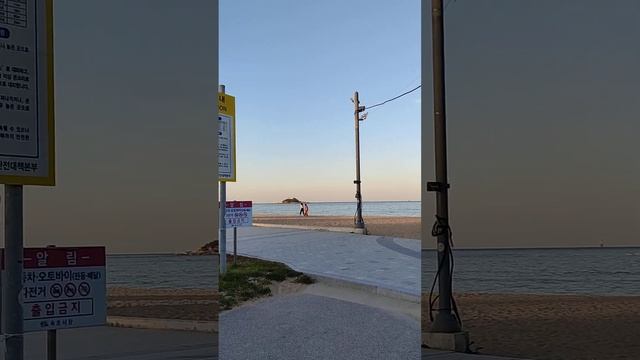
(63, 287)
(238, 214)
(226, 137)
(26, 93)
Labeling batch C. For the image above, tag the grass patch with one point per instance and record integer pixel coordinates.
(250, 278)
(304, 279)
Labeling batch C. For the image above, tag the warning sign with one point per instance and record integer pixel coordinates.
(26, 92)
(238, 214)
(226, 137)
(63, 288)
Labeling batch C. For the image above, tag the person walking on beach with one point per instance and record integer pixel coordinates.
(301, 208)
(306, 209)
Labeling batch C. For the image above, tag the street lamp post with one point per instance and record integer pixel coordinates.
(445, 321)
(359, 221)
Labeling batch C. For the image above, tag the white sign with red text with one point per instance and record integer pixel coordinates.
(63, 288)
(238, 214)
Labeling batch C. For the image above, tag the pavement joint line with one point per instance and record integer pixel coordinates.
(162, 324)
(366, 287)
(305, 227)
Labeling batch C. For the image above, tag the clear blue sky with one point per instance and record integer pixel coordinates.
(293, 66)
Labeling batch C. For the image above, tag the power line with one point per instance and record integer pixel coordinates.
(393, 98)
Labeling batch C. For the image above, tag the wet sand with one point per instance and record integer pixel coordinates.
(201, 305)
(551, 327)
(402, 227)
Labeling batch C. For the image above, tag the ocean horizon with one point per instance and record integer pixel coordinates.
(341, 208)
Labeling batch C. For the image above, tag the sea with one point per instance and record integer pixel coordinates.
(587, 271)
(162, 271)
(369, 208)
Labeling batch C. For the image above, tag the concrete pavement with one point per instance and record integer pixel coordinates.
(305, 327)
(386, 263)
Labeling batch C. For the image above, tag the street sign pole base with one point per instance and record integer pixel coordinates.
(362, 230)
(456, 341)
(445, 322)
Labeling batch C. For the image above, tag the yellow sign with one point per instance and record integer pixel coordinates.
(27, 143)
(226, 138)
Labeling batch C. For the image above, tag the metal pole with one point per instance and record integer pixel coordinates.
(235, 244)
(222, 241)
(359, 222)
(444, 321)
(52, 345)
(12, 292)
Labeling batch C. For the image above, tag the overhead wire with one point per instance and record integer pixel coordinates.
(393, 98)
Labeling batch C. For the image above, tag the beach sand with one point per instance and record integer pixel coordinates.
(557, 327)
(402, 227)
(201, 305)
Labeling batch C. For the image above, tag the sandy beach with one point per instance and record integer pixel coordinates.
(402, 227)
(201, 305)
(557, 327)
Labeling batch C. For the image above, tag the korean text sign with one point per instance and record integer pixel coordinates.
(63, 288)
(226, 137)
(238, 214)
(26, 93)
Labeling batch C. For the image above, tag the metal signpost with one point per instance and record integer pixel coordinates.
(26, 137)
(226, 162)
(238, 214)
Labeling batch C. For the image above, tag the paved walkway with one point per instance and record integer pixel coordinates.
(107, 343)
(309, 327)
(385, 262)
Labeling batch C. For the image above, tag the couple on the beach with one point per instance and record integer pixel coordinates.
(304, 209)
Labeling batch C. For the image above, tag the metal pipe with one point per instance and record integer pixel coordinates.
(52, 345)
(14, 253)
(222, 241)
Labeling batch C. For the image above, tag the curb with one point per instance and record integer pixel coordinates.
(321, 228)
(373, 289)
(365, 287)
(162, 324)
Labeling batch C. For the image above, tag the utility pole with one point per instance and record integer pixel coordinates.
(222, 238)
(445, 321)
(13, 262)
(359, 222)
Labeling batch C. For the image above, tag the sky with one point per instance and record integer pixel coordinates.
(543, 108)
(135, 114)
(293, 66)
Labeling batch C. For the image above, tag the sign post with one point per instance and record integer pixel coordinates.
(26, 137)
(226, 162)
(238, 214)
(12, 284)
(52, 345)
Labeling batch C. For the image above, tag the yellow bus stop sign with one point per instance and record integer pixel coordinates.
(226, 137)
